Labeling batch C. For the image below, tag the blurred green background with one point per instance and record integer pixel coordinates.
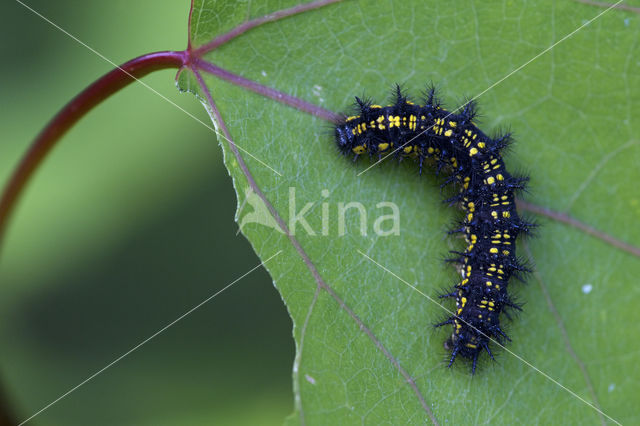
(128, 224)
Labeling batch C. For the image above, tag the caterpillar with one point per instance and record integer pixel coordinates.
(485, 192)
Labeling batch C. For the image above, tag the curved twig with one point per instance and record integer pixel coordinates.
(101, 89)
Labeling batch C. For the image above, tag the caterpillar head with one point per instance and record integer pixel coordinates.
(346, 140)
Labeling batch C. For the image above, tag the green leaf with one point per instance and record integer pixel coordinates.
(572, 112)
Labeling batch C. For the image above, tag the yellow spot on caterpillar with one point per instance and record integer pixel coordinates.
(488, 283)
(375, 106)
(469, 217)
(380, 119)
(358, 149)
(499, 177)
(506, 214)
(471, 206)
(471, 345)
(481, 145)
(493, 250)
(506, 252)
(353, 130)
(472, 152)
(464, 301)
(430, 150)
(452, 124)
(494, 214)
(448, 133)
(491, 180)
(408, 149)
(353, 117)
(383, 146)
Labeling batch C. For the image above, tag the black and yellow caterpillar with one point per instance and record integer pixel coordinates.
(486, 194)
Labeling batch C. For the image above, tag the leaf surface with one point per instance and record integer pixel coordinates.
(572, 113)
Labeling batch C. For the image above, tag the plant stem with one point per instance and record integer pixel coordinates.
(101, 89)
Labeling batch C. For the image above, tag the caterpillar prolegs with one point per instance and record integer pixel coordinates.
(485, 193)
